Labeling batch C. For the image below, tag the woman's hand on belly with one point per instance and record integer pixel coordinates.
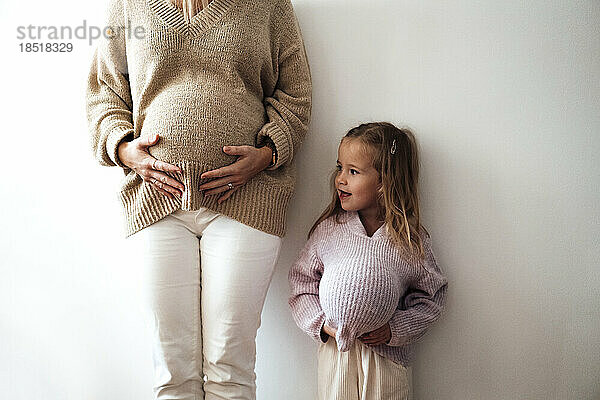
(135, 155)
(250, 162)
(378, 336)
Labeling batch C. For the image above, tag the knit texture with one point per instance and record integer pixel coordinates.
(235, 75)
(356, 283)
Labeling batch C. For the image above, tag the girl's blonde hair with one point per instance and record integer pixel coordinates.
(395, 157)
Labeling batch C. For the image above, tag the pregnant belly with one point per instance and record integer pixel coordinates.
(193, 128)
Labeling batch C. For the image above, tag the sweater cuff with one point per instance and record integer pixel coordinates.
(322, 335)
(399, 335)
(317, 328)
(115, 137)
(280, 139)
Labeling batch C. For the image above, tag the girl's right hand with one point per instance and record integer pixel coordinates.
(135, 155)
(329, 330)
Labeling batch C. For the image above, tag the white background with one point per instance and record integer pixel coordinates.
(504, 97)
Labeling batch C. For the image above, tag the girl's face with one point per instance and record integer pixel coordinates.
(357, 180)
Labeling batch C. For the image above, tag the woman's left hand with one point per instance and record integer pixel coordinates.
(250, 162)
(378, 336)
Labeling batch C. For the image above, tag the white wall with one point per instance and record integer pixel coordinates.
(504, 98)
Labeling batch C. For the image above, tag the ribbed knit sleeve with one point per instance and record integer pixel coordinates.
(304, 277)
(108, 94)
(289, 106)
(422, 303)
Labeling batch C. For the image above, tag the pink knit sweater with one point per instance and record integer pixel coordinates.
(356, 283)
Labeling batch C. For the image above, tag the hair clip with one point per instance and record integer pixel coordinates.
(393, 149)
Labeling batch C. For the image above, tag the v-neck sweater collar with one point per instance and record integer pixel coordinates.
(200, 22)
(357, 227)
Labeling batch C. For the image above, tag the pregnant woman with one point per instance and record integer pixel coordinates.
(203, 105)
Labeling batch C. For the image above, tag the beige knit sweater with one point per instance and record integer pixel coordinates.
(234, 75)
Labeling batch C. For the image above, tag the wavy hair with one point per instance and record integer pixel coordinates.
(395, 157)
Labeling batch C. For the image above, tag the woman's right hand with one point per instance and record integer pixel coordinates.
(135, 155)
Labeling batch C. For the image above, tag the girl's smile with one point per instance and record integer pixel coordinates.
(343, 195)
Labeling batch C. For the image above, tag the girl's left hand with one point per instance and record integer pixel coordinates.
(250, 162)
(378, 336)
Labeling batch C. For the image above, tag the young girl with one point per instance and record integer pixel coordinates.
(366, 285)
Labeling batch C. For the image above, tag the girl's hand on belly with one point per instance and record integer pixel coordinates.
(329, 330)
(250, 162)
(378, 336)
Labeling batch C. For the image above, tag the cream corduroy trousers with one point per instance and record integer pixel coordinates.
(360, 374)
(205, 279)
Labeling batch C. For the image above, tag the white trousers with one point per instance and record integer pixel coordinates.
(205, 281)
(360, 374)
